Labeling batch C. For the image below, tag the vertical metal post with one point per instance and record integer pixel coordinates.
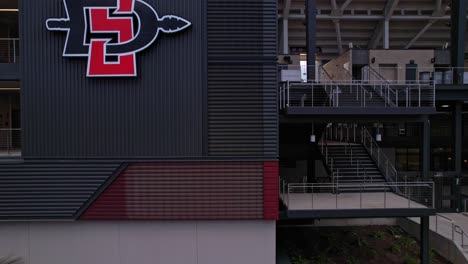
(385, 198)
(312, 189)
(426, 149)
(419, 94)
(458, 147)
(360, 198)
(458, 28)
(287, 84)
(14, 51)
(424, 248)
(311, 29)
(312, 87)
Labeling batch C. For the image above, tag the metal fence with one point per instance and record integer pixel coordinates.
(10, 142)
(402, 195)
(357, 94)
(453, 229)
(9, 50)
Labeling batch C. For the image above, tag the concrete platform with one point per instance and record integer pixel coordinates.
(329, 201)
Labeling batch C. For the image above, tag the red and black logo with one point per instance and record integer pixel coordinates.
(111, 32)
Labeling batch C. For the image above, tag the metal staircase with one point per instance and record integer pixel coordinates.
(353, 169)
(360, 166)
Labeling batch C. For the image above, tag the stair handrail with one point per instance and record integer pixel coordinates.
(333, 91)
(361, 91)
(385, 93)
(389, 167)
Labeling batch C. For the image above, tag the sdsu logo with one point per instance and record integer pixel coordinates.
(111, 32)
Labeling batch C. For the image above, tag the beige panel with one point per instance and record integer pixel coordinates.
(14, 241)
(207, 242)
(250, 242)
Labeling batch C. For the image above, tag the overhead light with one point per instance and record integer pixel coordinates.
(312, 139)
(445, 106)
(9, 10)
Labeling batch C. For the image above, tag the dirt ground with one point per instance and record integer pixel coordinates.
(350, 245)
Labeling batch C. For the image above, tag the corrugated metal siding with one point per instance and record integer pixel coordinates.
(49, 190)
(242, 112)
(224, 190)
(159, 113)
(271, 190)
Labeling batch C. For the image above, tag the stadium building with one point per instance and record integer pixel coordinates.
(145, 131)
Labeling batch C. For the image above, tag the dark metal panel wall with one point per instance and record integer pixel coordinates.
(159, 113)
(50, 190)
(242, 112)
(187, 190)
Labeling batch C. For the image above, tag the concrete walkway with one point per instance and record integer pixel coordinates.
(329, 201)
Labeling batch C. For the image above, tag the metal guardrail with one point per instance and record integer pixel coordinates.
(314, 94)
(455, 229)
(417, 194)
(383, 162)
(9, 50)
(10, 142)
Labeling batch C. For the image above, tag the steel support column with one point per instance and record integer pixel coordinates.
(386, 34)
(311, 30)
(424, 248)
(458, 147)
(426, 150)
(458, 19)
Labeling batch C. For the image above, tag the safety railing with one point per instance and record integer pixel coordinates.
(318, 196)
(9, 50)
(355, 94)
(383, 162)
(421, 75)
(10, 142)
(324, 94)
(453, 229)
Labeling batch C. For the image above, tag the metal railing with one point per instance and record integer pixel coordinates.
(454, 229)
(413, 195)
(9, 50)
(335, 93)
(10, 142)
(424, 75)
(383, 162)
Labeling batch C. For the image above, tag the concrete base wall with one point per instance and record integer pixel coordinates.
(445, 247)
(357, 222)
(140, 242)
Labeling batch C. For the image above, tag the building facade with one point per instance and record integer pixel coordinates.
(144, 131)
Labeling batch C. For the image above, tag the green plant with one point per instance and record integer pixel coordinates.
(406, 242)
(300, 260)
(395, 248)
(410, 260)
(352, 260)
(321, 259)
(378, 234)
(394, 231)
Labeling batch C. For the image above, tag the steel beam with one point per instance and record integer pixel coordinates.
(420, 33)
(285, 31)
(345, 5)
(458, 18)
(390, 7)
(338, 36)
(311, 29)
(426, 150)
(377, 36)
(386, 34)
(368, 17)
(424, 248)
(458, 147)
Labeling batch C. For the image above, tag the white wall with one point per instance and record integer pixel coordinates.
(140, 242)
